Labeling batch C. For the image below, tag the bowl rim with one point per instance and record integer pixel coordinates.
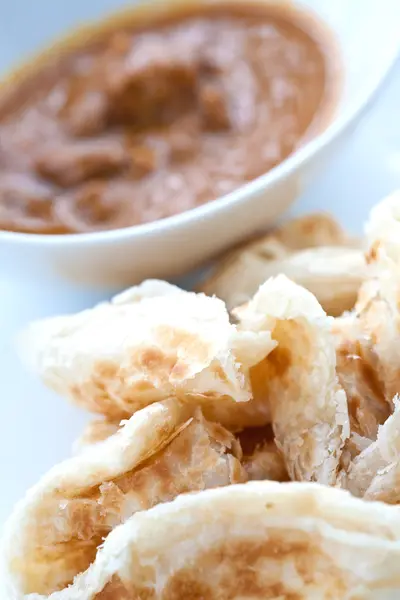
(239, 196)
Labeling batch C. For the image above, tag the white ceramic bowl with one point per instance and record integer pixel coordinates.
(369, 40)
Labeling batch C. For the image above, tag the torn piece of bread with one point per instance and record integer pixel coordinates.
(312, 251)
(119, 357)
(376, 457)
(309, 231)
(261, 458)
(378, 302)
(147, 344)
(259, 540)
(356, 366)
(308, 408)
(385, 486)
(296, 380)
(375, 473)
(368, 347)
(163, 450)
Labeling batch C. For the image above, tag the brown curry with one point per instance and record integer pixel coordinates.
(149, 120)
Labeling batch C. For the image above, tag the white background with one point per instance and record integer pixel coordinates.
(36, 428)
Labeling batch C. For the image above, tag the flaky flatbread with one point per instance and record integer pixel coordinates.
(149, 343)
(297, 388)
(261, 458)
(312, 251)
(378, 302)
(357, 373)
(367, 339)
(119, 357)
(375, 472)
(259, 540)
(368, 363)
(308, 408)
(162, 451)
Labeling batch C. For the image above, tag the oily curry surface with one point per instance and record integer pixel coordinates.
(143, 123)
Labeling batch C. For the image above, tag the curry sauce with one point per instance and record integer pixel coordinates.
(149, 120)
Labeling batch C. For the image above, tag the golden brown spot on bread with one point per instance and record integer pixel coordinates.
(94, 394)
(220, 373)
(79, 554)
(370, 375)
(180, 355)
(309, 226)
(182, 350)
(260, 382)
(244, 568)
(153, 359)
(97, 400)
(117, 590)
(276, 364)
(97, 394)
(187, 586)
(357, 370)
(372, 254)
(143, 386)
(279, 361)
(179, 338)
(106, 370)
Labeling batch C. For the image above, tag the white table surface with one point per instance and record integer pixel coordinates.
(37, 428)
